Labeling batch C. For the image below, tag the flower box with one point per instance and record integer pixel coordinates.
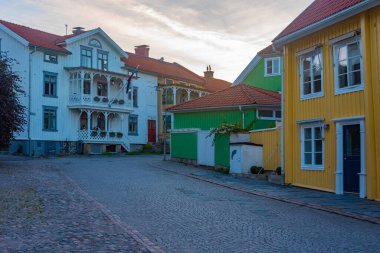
(112, 134)
(94, 133)
(96, 99)
(105, 100)
(103, 134)
(119, 135)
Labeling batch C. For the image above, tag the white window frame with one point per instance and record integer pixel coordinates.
(312, 94)
(352, 88)
(266, 66)
(268, 118)
(312, 166)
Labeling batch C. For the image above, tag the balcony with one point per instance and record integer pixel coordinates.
(98, 136)
(91, 88)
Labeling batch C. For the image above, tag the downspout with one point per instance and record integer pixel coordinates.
(242, 115)
(30, 99)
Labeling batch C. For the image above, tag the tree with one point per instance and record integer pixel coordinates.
(12, 113)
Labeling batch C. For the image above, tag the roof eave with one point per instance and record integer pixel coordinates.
(338, 17)
(14, 35)
(222, 108)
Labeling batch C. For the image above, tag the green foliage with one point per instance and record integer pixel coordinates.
(230, 128)
(12, 113)
(278, 170)
(147, 147)
(257, 170)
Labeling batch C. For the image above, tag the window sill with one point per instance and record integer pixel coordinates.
(349, 89)
(133, 134)
(49, 96)
(308, 97)
(50, 130)
(311, 168)
(271, 75)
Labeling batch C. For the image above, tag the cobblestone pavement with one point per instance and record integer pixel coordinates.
(41, 212)
(181, 214)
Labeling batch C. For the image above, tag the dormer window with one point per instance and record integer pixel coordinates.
(86, 57)
(102, 60)
(95, 43)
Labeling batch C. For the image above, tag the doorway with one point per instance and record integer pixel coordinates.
(152, 131)
(351, 158)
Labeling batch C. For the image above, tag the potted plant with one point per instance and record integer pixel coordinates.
(96, 99)
(121, 101)
(105, 100)
(115, 101)
(94, 133)
(258, 172)
(119, 135)
(112, 134)
(103, 134)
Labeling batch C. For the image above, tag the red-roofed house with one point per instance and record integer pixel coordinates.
(76, 95)
(249, 107)
(332, 97)
(176, 83)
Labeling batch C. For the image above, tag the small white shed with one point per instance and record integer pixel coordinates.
(244, 155)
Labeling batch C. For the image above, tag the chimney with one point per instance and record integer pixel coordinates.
(209, 73)
(142, 50)
(78, 30)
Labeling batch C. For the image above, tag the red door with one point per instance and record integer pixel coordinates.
(152, 131)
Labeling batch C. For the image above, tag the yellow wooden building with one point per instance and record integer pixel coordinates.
(332, 97)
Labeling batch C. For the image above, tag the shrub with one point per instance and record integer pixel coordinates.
(147, 147)
(257, 170)
(278, 170)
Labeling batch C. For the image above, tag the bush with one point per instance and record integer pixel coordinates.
(278, 170)
(147, 147)
(257, 170)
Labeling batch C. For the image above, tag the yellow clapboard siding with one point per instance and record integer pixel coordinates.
(329, 107)
(270, 139)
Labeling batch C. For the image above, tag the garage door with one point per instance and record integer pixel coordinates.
(206, 149)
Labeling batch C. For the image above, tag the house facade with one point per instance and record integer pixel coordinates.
(175, 85)
(332, 97)
(76, 95)
(264, 71)
(243, 105)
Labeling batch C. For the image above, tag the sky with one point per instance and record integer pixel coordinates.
(194, 33)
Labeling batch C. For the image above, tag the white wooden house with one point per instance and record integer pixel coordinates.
(75, 92)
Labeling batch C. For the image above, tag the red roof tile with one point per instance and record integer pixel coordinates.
(36, 37)
(234, 96)
(171, 70)
(213, 84)
(317, 11)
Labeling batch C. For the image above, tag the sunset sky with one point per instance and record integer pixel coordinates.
(223, 34)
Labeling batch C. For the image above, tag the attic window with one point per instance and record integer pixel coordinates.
(50, 58)
(95, 43)
(272, 66)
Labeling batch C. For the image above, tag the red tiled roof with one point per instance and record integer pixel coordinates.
(36, 37)
(213, 84)
(166, 69)
(317, 11)
(234, 96)
(269, 51)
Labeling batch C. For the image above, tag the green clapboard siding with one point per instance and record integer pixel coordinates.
(207, 121)
(184, 145)
(257, 78)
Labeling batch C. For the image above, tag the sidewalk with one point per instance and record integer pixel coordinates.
(346, 205)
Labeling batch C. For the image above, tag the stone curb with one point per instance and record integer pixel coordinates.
(333, 210)
(151, 247)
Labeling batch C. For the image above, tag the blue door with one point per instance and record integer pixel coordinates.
(352, 157)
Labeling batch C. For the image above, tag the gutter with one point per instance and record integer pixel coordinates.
(34, 49)
(340, 16)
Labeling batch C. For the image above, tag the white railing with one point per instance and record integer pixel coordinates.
(95, 135)
(77, 99)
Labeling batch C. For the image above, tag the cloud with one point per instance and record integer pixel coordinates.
(194, 33)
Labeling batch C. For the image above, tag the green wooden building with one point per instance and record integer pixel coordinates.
(240, 104)
(264, 71)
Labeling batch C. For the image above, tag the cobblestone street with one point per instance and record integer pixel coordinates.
(122, 204)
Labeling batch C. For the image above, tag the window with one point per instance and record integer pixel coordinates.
(167, 121)
(269, 114)
(50, 58)
(132, 125)
(311, 70)
(312, 147)
(135, 97)
(50, 84)
(272, 66)
(95, 43)
(102, 60)
(169, 81)
(86, 57)
(348, 66)
(50, 119)
(102, 89)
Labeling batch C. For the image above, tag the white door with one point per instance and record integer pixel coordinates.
(206, 149)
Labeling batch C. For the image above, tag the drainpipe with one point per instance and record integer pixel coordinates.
(243, 115)
(30, 99)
